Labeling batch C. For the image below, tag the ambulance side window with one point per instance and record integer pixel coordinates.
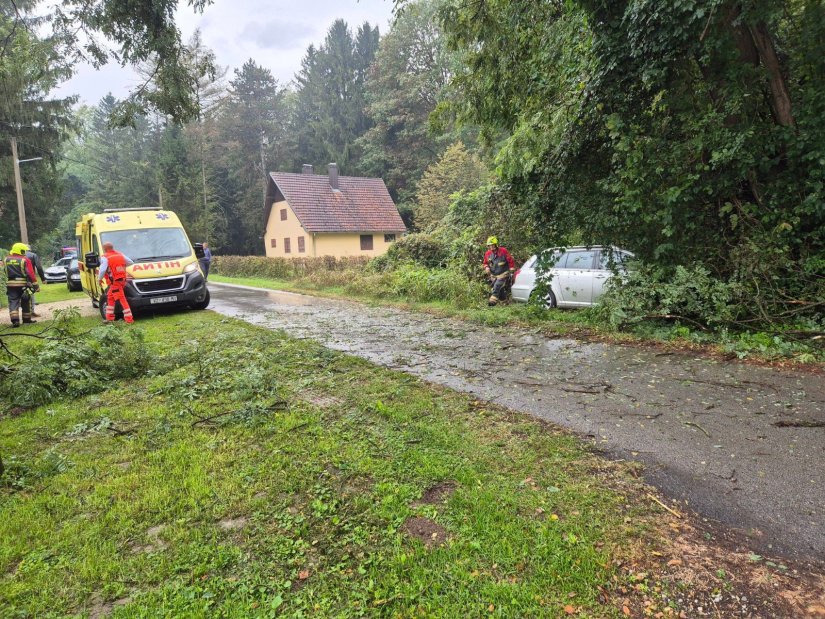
(94, 245)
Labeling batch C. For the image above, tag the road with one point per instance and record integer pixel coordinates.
(736, 443)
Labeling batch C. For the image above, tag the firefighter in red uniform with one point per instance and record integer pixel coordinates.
(113, 269)
(20, 282)
(499, 266)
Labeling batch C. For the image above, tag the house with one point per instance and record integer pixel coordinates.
(310, 215)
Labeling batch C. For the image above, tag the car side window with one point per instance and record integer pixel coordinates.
(579, 260)
(619, 260)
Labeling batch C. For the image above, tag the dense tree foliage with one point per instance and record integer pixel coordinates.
(30, 67)
(689, 131)
(456, 171)
(407, 80)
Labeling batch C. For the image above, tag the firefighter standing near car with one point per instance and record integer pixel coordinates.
(499, 266)
(21, 281)
(113, 269)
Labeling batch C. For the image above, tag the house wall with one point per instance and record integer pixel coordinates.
(289, 228)
(340, 245)
(325, 244)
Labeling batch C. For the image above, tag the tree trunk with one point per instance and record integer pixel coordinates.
(756, 47)
(780, 97)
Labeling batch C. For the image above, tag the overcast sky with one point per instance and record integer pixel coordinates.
(274, 33)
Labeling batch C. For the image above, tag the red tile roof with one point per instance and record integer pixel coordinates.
(361, 205)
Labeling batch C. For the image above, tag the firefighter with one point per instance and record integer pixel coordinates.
(113, 269)
(499, 266)
(20, 282)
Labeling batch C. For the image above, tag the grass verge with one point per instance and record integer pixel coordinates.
(245, 473)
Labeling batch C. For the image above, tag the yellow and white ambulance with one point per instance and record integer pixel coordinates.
(165, 273)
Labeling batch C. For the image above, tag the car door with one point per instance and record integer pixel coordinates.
(606, 266)
(576, 277)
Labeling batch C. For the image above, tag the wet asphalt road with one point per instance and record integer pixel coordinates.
(726, 439)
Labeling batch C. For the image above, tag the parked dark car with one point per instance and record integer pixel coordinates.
(73, 277)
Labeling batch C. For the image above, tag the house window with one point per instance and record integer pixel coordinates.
(273, 243)
(366, 242)
(389, 238)
(283, 214)
(287, 248)
(301, 245)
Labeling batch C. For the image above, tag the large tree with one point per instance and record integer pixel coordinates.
(251, 127)
(330, 115)
(406, 82)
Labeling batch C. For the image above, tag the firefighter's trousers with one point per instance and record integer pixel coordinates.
(19, 297)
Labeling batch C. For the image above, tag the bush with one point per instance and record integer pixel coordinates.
(418, 284)
(282, 268)
(688, 293)
(422, 249)
(74, 365)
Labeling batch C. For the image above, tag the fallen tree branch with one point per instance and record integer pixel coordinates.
(672, 511)
(696, 425)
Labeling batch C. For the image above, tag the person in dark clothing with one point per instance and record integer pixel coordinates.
(499, 266)
(20, 282)
(206, 261)
(38, 269)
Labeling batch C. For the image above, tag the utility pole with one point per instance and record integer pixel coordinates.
(18, 184)
(264, 142)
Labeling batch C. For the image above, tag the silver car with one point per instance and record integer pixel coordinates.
(57, 272)
(578, 275)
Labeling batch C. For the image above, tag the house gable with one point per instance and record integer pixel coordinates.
(284, 236)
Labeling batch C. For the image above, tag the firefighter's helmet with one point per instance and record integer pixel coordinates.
(20, 249)
(492, 240)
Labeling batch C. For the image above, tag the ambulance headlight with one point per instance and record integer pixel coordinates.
(189, 268)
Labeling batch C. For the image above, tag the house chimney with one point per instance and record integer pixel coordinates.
(333, 176)
(306, 169)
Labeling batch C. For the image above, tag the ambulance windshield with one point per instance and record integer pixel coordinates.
(149, 244)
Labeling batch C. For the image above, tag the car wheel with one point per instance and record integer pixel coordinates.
(203, 304)
(549, 299)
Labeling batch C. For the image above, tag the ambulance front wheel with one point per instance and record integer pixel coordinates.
(202, 304)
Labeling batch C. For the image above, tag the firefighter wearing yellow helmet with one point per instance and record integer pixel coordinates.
(499, 266)
(20, 282)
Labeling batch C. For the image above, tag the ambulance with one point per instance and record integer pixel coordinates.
(165, 273)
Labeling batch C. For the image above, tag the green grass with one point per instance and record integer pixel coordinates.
(50, 293)
(250, 474)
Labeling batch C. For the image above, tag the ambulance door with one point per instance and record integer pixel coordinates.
(90, 245)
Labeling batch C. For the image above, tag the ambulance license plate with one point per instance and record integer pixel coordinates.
(163, 299)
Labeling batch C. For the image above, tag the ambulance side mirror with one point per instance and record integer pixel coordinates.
(91, 260)
(199, 253)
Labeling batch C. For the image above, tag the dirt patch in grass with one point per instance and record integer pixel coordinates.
(428, 532)
(101, 608)
(435, 495)
(321, 400)
(155, 543)
(233, 524)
